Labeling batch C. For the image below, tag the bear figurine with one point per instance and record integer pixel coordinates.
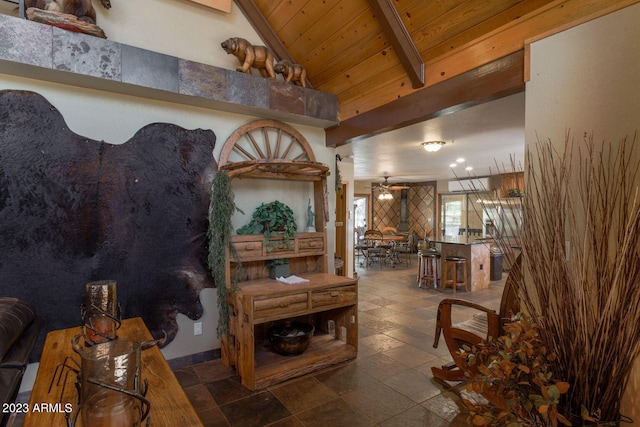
(259, 57)
(295, 73)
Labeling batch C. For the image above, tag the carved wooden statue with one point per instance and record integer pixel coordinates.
(259, 57)
(295, 73)
(82, 9)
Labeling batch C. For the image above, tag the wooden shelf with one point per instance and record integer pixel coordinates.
(114, 67)
(251, 248)
(324, 351)
(259, 302)
(278, 169)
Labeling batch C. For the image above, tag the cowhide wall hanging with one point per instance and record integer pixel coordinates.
(75, 210)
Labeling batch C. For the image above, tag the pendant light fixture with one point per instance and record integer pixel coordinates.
(385, 195)
(433, 146)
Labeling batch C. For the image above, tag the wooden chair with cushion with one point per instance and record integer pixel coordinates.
(390, 230)
(480, 327)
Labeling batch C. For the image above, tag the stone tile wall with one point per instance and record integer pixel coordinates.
(29, 49)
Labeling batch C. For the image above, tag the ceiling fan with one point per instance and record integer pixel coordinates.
(387, 186)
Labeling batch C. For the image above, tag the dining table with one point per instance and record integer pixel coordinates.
(387, 242)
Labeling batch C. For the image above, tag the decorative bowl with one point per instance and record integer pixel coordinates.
(290, 338)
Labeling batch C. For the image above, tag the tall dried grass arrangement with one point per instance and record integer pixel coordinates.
(581, 237)
(503, 211)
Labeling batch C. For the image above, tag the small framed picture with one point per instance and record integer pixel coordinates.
(222, 5)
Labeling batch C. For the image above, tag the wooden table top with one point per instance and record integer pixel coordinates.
(271, 287)
(395, 237)
(169, 404)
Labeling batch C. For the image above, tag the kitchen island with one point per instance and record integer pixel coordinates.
(478, 257)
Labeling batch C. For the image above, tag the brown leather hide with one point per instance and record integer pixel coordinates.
(74, 210)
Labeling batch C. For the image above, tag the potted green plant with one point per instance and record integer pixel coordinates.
(272, 219)
(515, 192)
(278, 267)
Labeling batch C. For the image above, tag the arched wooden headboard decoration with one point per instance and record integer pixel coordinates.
(270, 149)
(265, 140)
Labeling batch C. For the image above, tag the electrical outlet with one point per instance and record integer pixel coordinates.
(197, 328)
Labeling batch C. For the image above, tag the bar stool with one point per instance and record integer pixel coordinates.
(428, 270)
(451, 275)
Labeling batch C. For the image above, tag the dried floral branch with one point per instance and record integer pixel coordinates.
(581, 237)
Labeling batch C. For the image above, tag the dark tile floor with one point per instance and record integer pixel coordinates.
(389, 384)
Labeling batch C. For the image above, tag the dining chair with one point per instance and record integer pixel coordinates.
(407, 247)
(374, 252)
(389, 230)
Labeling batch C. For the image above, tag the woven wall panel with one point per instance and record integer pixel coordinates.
(386, 213)
(421, 209)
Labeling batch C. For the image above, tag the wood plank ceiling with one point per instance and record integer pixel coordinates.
(372, 53)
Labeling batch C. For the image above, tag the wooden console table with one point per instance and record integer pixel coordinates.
(261, 303)
(169, 404)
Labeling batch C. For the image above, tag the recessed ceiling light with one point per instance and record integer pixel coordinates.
(459, 160)
(453, 165)
(468, 168)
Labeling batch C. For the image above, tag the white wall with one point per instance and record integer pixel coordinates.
(346, 175)
(586, 80)
(178, 28)
(187, 30)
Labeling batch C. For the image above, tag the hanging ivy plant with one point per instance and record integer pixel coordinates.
(221, 207)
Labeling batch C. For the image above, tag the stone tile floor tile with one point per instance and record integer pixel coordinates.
(389, 384)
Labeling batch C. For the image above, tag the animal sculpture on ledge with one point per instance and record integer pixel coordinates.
(82, 9)
(295, 73)
(259, 57)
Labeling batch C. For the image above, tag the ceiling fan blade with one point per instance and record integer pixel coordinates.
(398, 187)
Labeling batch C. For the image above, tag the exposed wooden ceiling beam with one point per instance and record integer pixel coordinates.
(262, 27)
(497, 79)
(400, 39)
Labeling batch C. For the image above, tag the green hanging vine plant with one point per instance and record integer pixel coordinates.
(221, 207)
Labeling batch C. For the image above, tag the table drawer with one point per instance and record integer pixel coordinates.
(315, 244)
(339, 295)
(287, 304)
(279, 247)
(249, 249)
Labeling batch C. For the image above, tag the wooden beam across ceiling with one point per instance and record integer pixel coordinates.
(499, 78)
(262, 27)
(400, 39)
(509, 37)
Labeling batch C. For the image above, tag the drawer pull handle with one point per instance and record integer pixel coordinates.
(283, 304)
(249, 247)
(335, 294)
